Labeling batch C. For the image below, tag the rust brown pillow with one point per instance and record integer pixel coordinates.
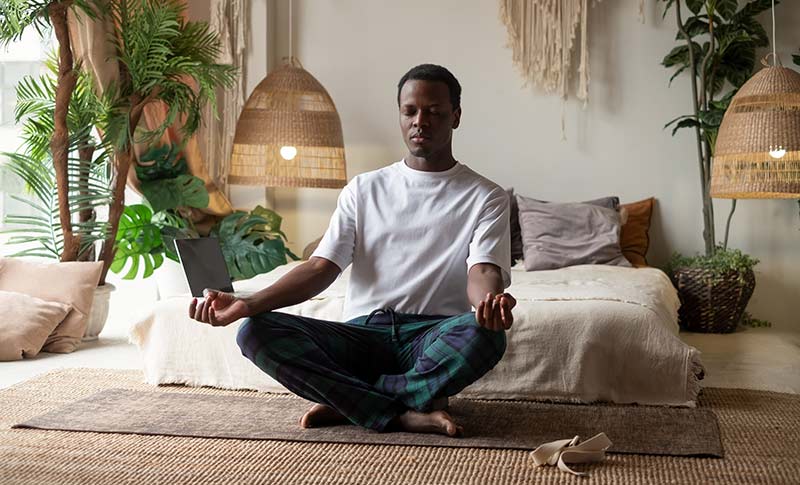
(634, 239)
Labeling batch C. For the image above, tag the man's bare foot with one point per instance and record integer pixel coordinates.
(433, 422)
(321, 415)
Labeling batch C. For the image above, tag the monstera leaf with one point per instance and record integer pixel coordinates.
(162, 162)
(138, 242)
(248, 248)
(181, 191)
(273, 225)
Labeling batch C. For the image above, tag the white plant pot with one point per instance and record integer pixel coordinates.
(99, 312)
(170, 280)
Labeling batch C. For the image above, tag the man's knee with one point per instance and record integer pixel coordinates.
(492, 343)
(486, 345)
(251, 336)
(246, 338)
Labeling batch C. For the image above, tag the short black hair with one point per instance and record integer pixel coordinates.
(432, 72)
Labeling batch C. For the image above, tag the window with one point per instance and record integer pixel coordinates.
(19, 59)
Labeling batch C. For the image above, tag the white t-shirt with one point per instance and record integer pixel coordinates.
(412, 236)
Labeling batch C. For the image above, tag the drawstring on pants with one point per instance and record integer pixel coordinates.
(386, 311)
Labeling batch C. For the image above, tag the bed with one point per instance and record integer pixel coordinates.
(581, 334)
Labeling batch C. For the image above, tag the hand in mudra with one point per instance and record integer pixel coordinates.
(494, 311)
(218, 308)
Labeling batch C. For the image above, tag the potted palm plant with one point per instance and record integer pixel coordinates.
(87, 182)
(717, 47)
(161, 57)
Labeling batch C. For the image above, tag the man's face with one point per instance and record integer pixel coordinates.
(427, 118)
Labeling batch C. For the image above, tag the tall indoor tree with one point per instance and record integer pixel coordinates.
(717, 46)
(163, 58)
(17, 16)
(87, 168)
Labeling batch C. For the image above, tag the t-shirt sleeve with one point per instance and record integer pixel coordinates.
(338, 243)
(491, 240)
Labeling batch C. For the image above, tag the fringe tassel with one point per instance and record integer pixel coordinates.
(541, 34)
(229, 20)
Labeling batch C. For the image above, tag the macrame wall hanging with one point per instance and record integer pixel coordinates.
(542, 35)
(229, 18)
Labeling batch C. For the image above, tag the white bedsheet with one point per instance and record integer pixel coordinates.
(582, 334)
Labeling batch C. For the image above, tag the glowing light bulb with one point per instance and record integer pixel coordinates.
(288, 153)
(777, 152)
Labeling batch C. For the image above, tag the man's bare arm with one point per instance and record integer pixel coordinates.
(485, 292)
(298, 285)
(301, 283)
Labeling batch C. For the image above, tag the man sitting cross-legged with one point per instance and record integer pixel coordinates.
(428, 239)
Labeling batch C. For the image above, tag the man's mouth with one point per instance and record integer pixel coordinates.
(419, 138)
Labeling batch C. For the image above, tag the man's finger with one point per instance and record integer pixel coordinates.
(204, 313)
(192, 307)
(509, 314)
(479, 314)
(498, 316)
(198, 312)
(212, 316)
(487, 310)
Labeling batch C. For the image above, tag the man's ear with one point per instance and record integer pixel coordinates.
(456, 118)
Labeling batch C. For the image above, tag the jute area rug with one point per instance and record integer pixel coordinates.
(759, 434)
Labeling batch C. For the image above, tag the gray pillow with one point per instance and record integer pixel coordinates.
(517, 252)
(556, 235)
(516, 231)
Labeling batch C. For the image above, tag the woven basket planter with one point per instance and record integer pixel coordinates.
(709, 304)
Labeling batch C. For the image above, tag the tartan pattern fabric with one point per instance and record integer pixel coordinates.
(370, 369)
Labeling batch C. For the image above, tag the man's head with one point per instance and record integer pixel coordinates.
(429, 98)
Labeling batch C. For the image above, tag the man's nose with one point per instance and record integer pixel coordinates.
(421, 119)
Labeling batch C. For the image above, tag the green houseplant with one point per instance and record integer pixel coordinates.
(87, 183)
(161, 57)
(88, 176)
(252, 242)
(16, 16)
(146, 230)
(717, 48)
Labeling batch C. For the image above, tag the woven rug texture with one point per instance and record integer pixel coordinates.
(759, 435)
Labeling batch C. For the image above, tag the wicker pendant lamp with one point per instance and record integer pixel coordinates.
(757, 153)
(289, 133)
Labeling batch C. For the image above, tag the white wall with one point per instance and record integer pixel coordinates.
(359, 50)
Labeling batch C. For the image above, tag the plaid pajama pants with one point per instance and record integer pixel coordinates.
(372, 368)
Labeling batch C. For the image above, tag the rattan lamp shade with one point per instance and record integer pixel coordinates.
(289, 108)
(763, 117)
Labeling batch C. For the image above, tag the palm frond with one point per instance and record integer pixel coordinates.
(168, 57)
(17, 15)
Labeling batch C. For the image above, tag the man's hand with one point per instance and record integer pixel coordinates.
(494, 311)
(218, 308)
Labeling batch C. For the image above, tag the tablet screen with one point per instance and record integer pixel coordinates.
(204, 265)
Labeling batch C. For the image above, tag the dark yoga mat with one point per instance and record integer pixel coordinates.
(487, 424)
